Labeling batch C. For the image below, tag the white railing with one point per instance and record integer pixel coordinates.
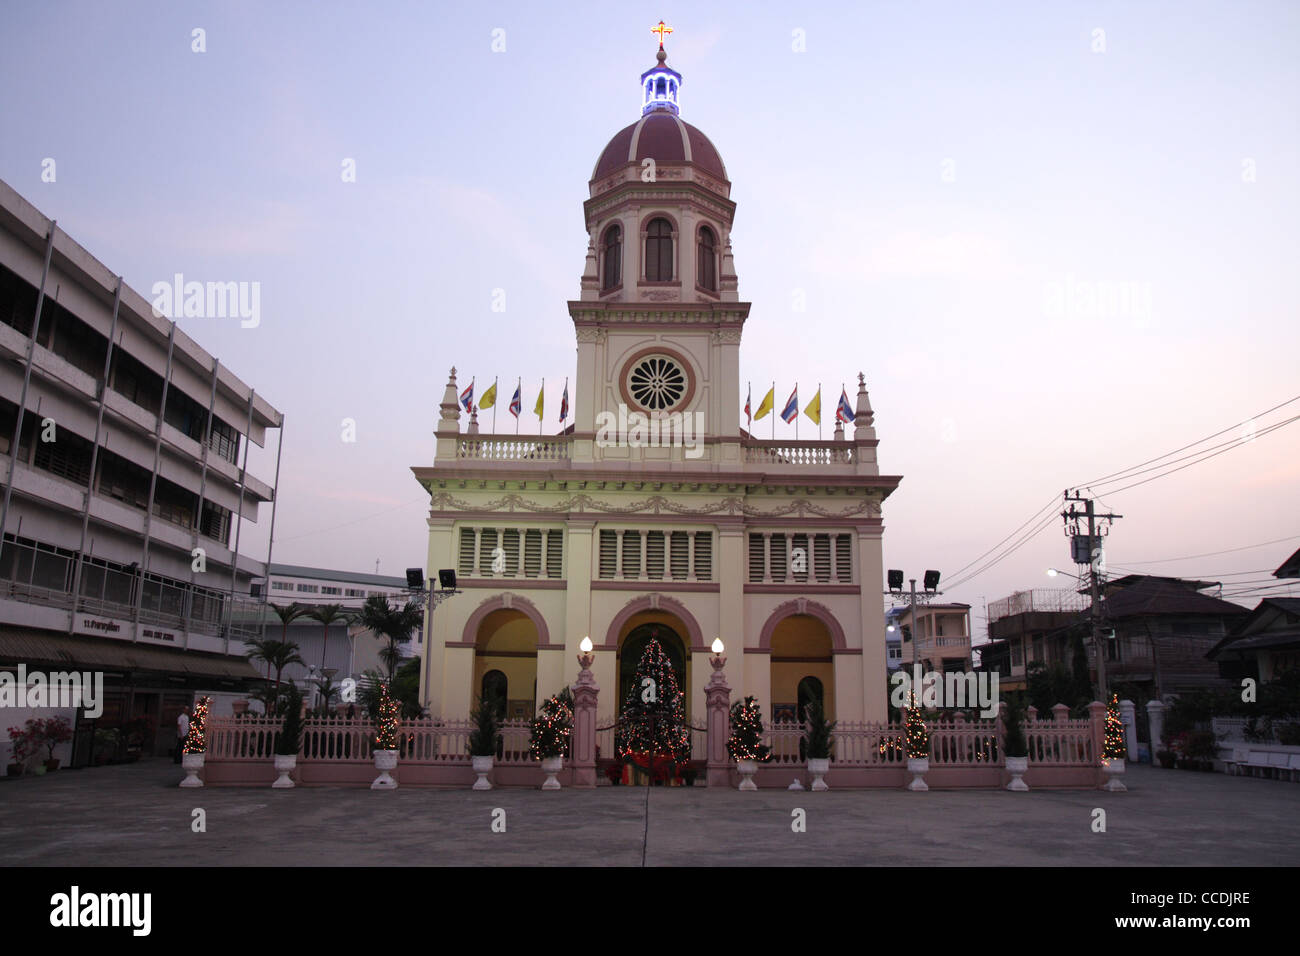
(515, 448)
(799, 453)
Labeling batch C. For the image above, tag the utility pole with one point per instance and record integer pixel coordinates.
(1094, 555)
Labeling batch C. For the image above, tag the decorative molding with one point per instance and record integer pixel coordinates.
(700, 587)
(655, 504)
(505, 601)
(803, 606)
(653, 602)
(592, 334)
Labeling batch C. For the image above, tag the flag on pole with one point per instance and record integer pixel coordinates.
(843, 412)
(541, 394)
(564, 402)
(749, 395)
(765, 405)
(814, 409)
(489, 398)
(467, 397)
(516, 403)
(791, 410)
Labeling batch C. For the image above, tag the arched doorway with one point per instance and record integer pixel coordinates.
(506, 644)
(495, 686)
(803, 668)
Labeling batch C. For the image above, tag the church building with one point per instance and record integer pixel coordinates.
(656, 514)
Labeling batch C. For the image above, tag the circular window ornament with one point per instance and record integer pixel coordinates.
(657, 382)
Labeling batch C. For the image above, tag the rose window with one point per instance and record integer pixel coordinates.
(656, 382)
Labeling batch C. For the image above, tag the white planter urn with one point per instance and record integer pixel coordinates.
(284, 764)
(191, 764)
(551, 766)
(747, 770)
(385, 762)
(482, 767)
(918, 767)
(1114, 767)
(1017, 766)
(819, 767)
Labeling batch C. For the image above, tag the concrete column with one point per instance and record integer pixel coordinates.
(1156, 722)
(585, 695)
(717, 696)
(1128, 714)
(1097, 716)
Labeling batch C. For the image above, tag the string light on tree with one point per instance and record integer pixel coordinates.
(745, 742)
(651, 731)
(1113, 747)
(917, 741)
(551, 727)
(196, 741)
(386, 735)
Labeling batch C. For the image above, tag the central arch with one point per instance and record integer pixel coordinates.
(679, 633)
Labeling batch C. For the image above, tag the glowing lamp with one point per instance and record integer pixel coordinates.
(585, 646)
(717, 647)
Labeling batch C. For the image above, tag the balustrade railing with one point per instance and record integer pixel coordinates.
(515, 448)
(798, 453)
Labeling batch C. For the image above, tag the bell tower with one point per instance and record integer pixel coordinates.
(659, 319)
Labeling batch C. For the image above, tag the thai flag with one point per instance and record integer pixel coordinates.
(467, 397)
(517, 403)
(748, 396)
(791, 410)
(564, 403)
(844, 413)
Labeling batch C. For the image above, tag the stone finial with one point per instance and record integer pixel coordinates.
(449, 408)
(473, 422)
(839, 430)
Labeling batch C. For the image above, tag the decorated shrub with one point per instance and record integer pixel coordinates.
(746, 740)
(551, 727)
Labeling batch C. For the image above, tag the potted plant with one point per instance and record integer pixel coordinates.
(1202, 749)
(744, 745)
(195, 746)
(22, 742)
(549, 737)
(818, 743)
(386, 741)
(483, 741)
(51, 732)
(289, 739)
(1113, 749)
(1016, 747)
(916, 745)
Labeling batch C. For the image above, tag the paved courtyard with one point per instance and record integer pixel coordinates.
(135, 814)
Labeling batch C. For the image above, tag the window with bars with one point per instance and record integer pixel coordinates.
(668, 555)
(525, 552)
(826, 558)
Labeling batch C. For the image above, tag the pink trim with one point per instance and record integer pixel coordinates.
(606, 584)
(796, 588)
(803, 606)
(500, 603)
(647, 603)
(534, 584)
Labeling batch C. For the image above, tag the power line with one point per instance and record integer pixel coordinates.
(1025, 539)
(1211, 554)
(1124, 471)
(1050, 504)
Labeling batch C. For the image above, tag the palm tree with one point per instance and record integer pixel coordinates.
(392, 623)
(279, 655)
(327, 614)
(329, 691)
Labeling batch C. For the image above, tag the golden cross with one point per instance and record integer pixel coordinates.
(661, 30)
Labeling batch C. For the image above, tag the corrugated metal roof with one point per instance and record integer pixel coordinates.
(325, 574)
(95, 653)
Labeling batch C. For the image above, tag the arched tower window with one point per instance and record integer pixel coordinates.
(659, 251)
(706, 269)
(613, 253)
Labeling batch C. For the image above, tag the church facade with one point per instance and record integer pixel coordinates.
(656, 514)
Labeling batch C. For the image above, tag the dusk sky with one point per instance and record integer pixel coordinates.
(945, 187)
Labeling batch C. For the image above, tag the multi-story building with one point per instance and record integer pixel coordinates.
(344, 648)
(1157, 632)
(942, 633)
(123, 447)
(625, 531)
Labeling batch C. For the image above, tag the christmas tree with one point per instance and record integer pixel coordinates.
(918, 738)
(651, 731)
(1113, 747)
(386, 737)
(552, 726)
(196, 741)
(745, 742)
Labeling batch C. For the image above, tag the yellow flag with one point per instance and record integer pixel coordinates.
(814, 409)
(765, 406)
(489, 397)
(540, 395)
